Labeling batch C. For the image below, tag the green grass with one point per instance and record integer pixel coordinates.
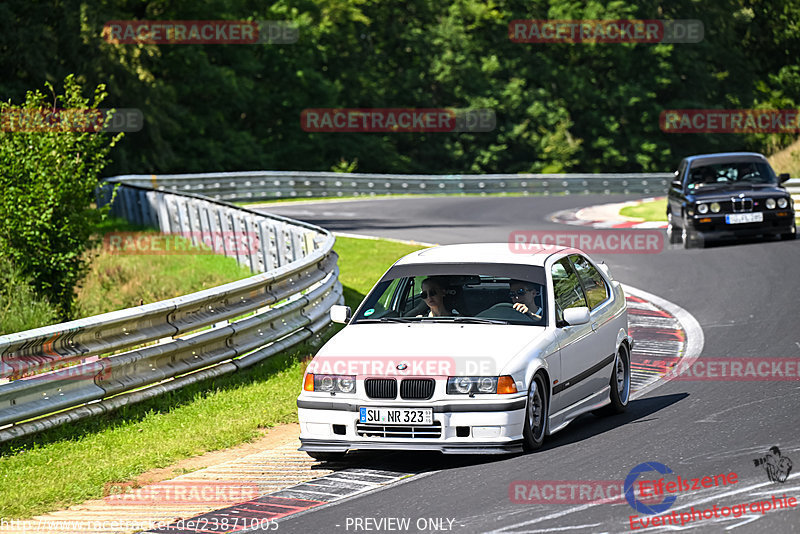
(655, 210)
(119, 280)
(787, 160)
(72, 463)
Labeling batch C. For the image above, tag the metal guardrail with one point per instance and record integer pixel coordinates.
(270, 185)
(129, 355)
(793, 187)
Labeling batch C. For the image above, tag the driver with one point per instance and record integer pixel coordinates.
(522, 296)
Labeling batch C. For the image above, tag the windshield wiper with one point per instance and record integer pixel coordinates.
(459, 319)
(390, 320)
(481, 320)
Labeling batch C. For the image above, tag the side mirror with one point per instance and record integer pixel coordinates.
(576, 316)
(783, 177)
(677, 184)
(340, 314)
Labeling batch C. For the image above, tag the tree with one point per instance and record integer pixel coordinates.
(49, 169)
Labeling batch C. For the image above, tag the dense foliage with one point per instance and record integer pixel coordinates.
(570, 107)
(47, 182)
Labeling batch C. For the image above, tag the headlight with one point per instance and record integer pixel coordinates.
(770, 203)
(782, 203)
(487, 385)
(463, 385)
(330, 383)
(346, 384)
(702, 208)
(715, 207)
(459, 384)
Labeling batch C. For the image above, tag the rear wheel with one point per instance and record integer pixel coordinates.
(620, 384)
(535, 415)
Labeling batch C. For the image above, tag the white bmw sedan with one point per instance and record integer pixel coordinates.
(470, 349)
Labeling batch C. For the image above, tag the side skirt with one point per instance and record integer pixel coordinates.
(561, 419)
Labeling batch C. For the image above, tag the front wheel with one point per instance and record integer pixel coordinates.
(688, 238)
(535, 415)
(673, 235)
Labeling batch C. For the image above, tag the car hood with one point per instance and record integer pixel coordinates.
(755, 191)
(436, 349)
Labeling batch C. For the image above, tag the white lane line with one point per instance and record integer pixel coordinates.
(555, 515)
(695, 339)
(651, 224)
(562, 529)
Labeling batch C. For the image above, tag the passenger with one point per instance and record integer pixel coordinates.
(433, 294)
(522, 296)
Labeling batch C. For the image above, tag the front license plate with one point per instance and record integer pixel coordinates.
(739, 218)
(397, 416)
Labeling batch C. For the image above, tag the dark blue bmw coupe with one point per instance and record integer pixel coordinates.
(727, 195)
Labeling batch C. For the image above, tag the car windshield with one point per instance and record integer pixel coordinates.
(487, 298)
(731, 173)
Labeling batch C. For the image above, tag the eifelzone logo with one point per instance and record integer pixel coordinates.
(636, 504)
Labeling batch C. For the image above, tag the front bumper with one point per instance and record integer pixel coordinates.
(715, 227)
(490, 427)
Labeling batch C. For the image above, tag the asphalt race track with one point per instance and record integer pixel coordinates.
(743, 295)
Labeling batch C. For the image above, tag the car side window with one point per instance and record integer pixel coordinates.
(566, 288)
(593, 283)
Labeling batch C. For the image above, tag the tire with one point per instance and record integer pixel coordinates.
(790, 236)
(326, 456)
(620, 384)
(536, 415)
(688, 240)
(673, 236)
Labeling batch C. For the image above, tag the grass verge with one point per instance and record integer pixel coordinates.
(654, 210)
(137, 269)
(72, 463)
